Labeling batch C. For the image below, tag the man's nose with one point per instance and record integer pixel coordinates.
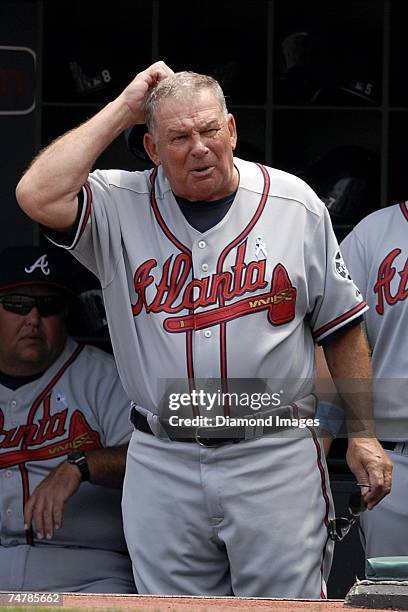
(199, 147)
(33, 317)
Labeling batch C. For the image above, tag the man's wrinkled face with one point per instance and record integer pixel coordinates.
(194, 142)
(30, 343)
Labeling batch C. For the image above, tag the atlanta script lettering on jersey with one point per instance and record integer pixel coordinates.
(51, 435)
(386, 272)
(33, 434)
(174, 293)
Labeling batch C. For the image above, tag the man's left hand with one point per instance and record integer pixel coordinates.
(372, 468)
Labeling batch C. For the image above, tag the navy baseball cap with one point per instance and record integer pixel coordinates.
(26, 265)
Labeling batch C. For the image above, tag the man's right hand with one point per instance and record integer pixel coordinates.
(136, 92)
(372, 468)
(46, 504)
(48, 191)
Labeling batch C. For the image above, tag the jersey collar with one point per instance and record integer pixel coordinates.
(404, 209)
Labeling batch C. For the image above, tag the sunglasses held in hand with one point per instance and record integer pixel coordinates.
(339, 527)
(47, 305)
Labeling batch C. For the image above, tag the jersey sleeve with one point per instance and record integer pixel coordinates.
(95, 238)
(354, 255)
(65, 238)
(334, 299)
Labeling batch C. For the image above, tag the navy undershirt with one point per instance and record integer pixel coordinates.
(15, 382)
(205, 215)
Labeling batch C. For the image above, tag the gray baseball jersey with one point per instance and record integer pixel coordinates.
(376, 253)
(245, 299)
(181, 303)
(78, 403)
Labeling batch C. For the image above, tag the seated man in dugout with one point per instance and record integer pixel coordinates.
(64, 433)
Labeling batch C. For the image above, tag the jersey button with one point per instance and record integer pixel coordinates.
(204, 267)
(9, 512)
(202, 244)
(13, 403)
(207, 333)
(9, 473)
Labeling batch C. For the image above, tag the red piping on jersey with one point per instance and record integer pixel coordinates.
(186, 251)
(190, 367)
(325, 496)
(404, 209)
(26, 489)
(220, 263)
(52, 384)
(160, 219)
(338, 320)
(47, 406)
(31, 414)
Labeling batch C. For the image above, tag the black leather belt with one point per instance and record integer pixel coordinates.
(388, 445)
(140, 422)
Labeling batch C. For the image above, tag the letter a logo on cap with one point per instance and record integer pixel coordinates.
(41, 263)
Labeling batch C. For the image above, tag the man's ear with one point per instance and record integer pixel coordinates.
(151, 148)
(232, 128)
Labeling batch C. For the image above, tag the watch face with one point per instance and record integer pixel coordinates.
(73, 457)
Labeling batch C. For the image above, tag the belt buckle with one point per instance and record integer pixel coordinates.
(213, 442)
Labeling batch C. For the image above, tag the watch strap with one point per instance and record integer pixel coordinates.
(79, 459)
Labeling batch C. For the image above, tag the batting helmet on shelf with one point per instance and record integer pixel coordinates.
(321, 68)
(347, 181)
(134, 141)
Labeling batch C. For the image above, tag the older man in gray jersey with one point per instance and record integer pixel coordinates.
(214, 271)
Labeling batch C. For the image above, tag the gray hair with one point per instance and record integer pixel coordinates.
(180, 85)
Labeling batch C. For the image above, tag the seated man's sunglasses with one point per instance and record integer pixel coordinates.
(46, 305)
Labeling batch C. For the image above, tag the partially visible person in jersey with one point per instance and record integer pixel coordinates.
(64, 434)
(216, 272)
(376, 254)
(329, 412)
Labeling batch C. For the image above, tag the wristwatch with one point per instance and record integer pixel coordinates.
(79, 459)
